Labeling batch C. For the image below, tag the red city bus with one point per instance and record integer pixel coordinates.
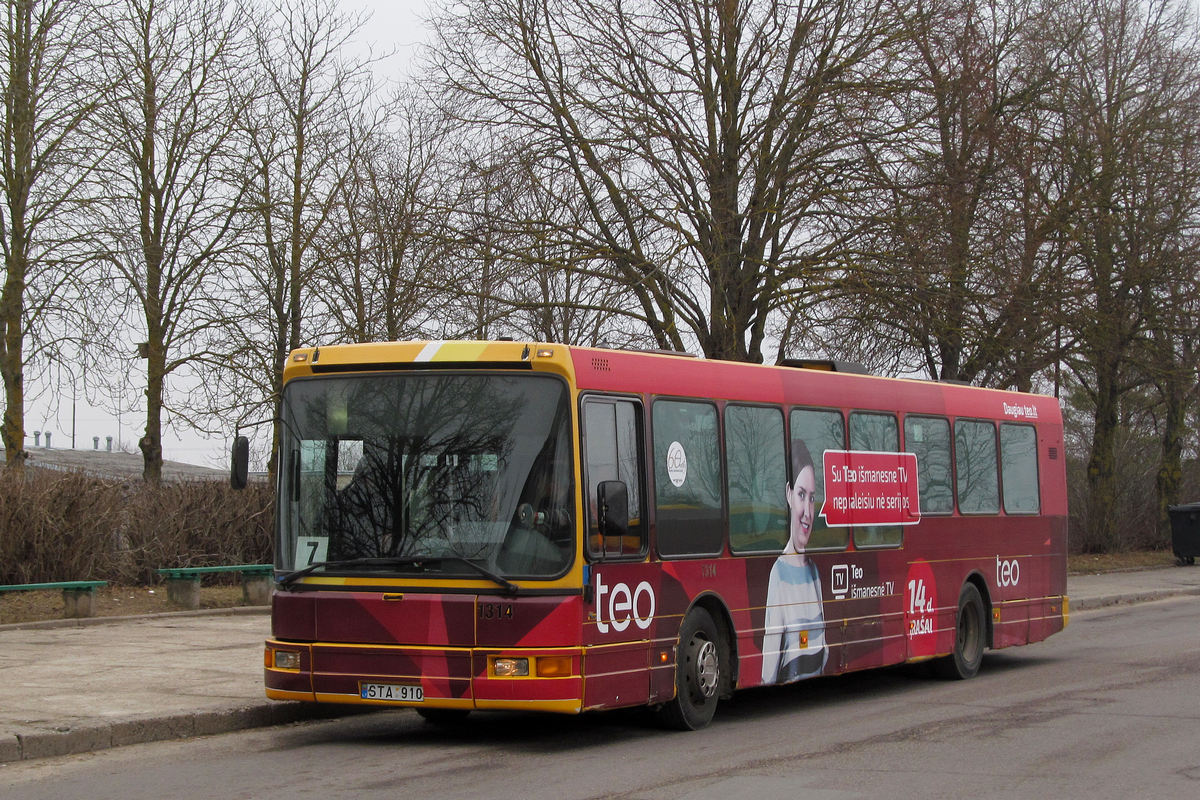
(507, 525)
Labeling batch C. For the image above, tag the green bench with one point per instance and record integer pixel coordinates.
(183, 583)
(79, 597)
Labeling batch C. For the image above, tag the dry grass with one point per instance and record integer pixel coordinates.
(111, 601)
(1087, 563)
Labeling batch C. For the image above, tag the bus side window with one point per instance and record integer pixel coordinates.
(929, 439)
(975, 467)
(821, 430)
(879, 433)
(689, 512)
(612, 440)
(756, 469)
(1019, 468)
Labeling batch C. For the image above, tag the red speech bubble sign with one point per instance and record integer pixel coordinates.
(864, 487)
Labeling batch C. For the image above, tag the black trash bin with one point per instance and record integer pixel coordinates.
(1185, 532)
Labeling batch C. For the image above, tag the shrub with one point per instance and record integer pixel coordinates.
(69, 526)
(1136, 504)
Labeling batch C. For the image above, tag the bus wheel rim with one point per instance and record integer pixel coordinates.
(707, 669)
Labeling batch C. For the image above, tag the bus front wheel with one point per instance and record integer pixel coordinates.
(970, 635)
(699, 662)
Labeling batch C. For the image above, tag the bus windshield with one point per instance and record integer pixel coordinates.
(452, 474)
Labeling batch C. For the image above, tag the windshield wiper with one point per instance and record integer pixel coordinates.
(375, 561)
(367, 561)
(509, 586)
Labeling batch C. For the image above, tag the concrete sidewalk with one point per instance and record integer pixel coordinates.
(74, 686)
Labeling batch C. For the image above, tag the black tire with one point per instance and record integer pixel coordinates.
(443, 716)
(970, 638)
(700, 662)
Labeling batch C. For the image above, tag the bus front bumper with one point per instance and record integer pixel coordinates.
(541, 679)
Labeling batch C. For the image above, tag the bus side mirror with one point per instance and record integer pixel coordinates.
(613, 508)
(239, 468)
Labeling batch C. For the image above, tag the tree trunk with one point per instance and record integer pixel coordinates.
(18, 176)
(14, 388)
(151, 442)
(12, 357)
(1102, 531)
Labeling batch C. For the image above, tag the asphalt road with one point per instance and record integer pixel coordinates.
(1108, 709)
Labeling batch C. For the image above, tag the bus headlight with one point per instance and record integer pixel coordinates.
(287, 659)
(510, 667)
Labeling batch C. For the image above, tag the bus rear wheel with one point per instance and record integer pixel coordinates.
(699, 662)
(970, 636)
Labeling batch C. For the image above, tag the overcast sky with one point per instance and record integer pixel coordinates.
(395, 25)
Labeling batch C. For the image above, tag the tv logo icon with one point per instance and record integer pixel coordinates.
(840, 580)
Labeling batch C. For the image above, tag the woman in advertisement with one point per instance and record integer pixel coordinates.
(794, 634)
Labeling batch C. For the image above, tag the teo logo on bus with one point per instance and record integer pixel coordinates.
(623, 605)
(1008, 573)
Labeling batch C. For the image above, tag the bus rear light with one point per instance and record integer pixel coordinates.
(553, 666)
(510, 667)
(545, 352)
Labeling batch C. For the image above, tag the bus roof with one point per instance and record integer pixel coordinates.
(659, 373)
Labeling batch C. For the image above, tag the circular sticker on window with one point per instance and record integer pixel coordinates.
(676, 464)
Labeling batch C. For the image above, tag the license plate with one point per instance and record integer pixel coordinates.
(403, 692)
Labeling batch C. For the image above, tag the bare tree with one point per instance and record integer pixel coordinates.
(1171, 365)
(1165, 354)
(555, 292)
(955, 254)
(701, 137)
(1129, 110)
(382, 256)
(517, 273)
(177, 69)
(299, 154)
(48, 95)
(484, 242)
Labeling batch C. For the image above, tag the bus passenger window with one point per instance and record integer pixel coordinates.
(881, 434)
(1019, 468)
(820, 431)
(929, 439)
(612, 444)
(756, 469)
(975, 466)
(687, 478)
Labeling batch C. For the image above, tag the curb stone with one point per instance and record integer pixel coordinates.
(1106, 601)
(10, 748)
(87, 622)
(64, 741)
